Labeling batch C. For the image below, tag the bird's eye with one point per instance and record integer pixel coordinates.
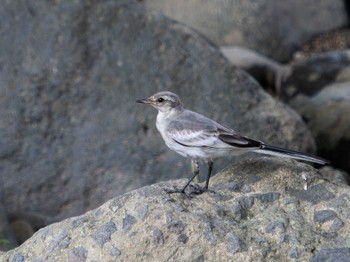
(160, 100)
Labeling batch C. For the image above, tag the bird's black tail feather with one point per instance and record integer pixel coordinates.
(282, 152)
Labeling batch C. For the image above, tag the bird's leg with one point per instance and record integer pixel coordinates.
(210, 169)
(199, 191)
(195, 173)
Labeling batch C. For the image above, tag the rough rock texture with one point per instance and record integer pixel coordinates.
(256, 209)
(72, 134)
(253, 24)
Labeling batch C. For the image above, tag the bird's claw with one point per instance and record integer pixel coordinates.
(195, 190)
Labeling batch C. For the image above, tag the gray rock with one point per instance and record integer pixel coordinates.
(337, 224)
(252, 24)
(209, 234)
(74, 136)
(183, 238)
(332, 254)
(128, 222)
(7, 236)
(18, 258)
(234, 244)
(56, 242)
(327, 114)
(314, 194)
(312, 74)
(267, 197)
(271, 231)
(324, 216)
(103, 233)
(77, 254)
(267, 72)
(115, 252)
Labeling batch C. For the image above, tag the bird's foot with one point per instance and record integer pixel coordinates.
(174, 190)
(197, 190)
(192, 190)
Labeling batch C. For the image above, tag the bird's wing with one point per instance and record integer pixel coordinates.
(235, 139)
(193, 129)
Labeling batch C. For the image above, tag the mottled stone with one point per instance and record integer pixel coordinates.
(267, 197)
(58, 240)
(209, 234)
(324, 216)
(293, 253)
(201, 227)
(128, 222)
(246, 201)
(77, 254)
(103, 233)
(275, 226)
(331, 255)
(314, 194)
(183, 238)
(234, 244)
(142, 212)
(157, 236)
(18, 258)
(337, 224)
(176, 227)
(115, 252)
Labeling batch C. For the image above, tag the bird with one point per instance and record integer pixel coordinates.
(197, 137)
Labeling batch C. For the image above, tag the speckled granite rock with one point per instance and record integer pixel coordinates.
(256, 209)
(73, 136)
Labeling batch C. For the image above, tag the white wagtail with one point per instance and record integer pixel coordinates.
(200, 138)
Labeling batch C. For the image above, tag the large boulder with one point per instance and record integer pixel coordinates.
(72, 134)
(257, 209)
(273, 28)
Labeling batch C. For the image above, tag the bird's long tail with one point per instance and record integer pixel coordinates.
(282, 152)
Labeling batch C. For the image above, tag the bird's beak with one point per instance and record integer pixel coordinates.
(146, 101)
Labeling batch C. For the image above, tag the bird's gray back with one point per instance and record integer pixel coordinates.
(188, 119)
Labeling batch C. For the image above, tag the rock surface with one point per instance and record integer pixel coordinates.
(72, 134)
(256, 209)
(311, 74)
(252, 24)
(318, 87)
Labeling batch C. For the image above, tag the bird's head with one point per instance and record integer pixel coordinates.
(163, 101)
